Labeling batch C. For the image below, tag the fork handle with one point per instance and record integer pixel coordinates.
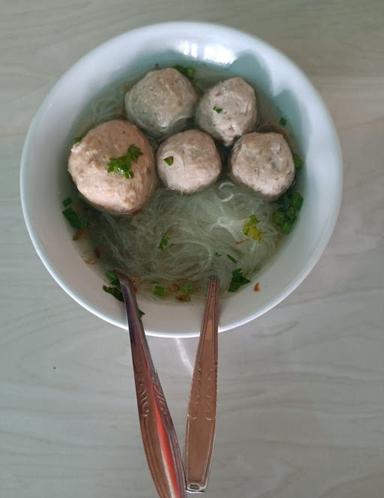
(201, 416)
(158, 433)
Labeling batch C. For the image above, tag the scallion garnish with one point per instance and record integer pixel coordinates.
(184, 292)
(296, 200)
(238, 280)
(189, 72)
(114, 291)
(186, 288)
(164, 241)
(67, 202)
(159, 291)
(123, 165)
(74, 219)
(298, 162)
(231, 258)
(113, 279)
(289, 206)
(141, 313)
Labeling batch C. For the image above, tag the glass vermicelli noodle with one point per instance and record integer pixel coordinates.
(109, 106)
(204, 234)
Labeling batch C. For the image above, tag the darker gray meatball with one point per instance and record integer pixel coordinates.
(162, 102)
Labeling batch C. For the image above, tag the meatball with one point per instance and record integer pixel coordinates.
(263, 162)
(119, 187)
(162, 102)
(188, 161)
(227, 110)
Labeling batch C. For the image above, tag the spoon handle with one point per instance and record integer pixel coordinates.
(201, 416)
(158, 433)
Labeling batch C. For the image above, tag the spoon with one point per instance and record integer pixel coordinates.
(201, 416)
(158, 432)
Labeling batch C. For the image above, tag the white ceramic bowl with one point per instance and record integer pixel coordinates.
(44, 181)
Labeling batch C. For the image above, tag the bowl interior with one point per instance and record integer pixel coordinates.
(44, 181)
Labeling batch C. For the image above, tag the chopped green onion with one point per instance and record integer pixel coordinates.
(164, 241)
(217, 109)
(238, 280)
(184, 292)
(287, 226)
(123, 165)
(113, 279)
(189, 72)
(296, 200)
(74, 219)
(250, 229)
(186, 288)
(77, 140)
(291, 213)
(218, 254)
(283, 202)
(231, 258)
(159, 291)
(297, 161)
(168, 160)
(278, 217)
(289, 206)
(283, 121)
(281, 221)
(67, 202)
(114, 291)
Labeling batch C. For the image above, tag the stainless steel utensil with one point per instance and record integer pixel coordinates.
(158, 433)
(201, 416)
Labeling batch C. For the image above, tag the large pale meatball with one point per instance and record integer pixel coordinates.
(188, 161)
(162, 102)
(263, 162)
(114, 191)
(227, 110)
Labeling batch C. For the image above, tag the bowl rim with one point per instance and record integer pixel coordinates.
(284, 292)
